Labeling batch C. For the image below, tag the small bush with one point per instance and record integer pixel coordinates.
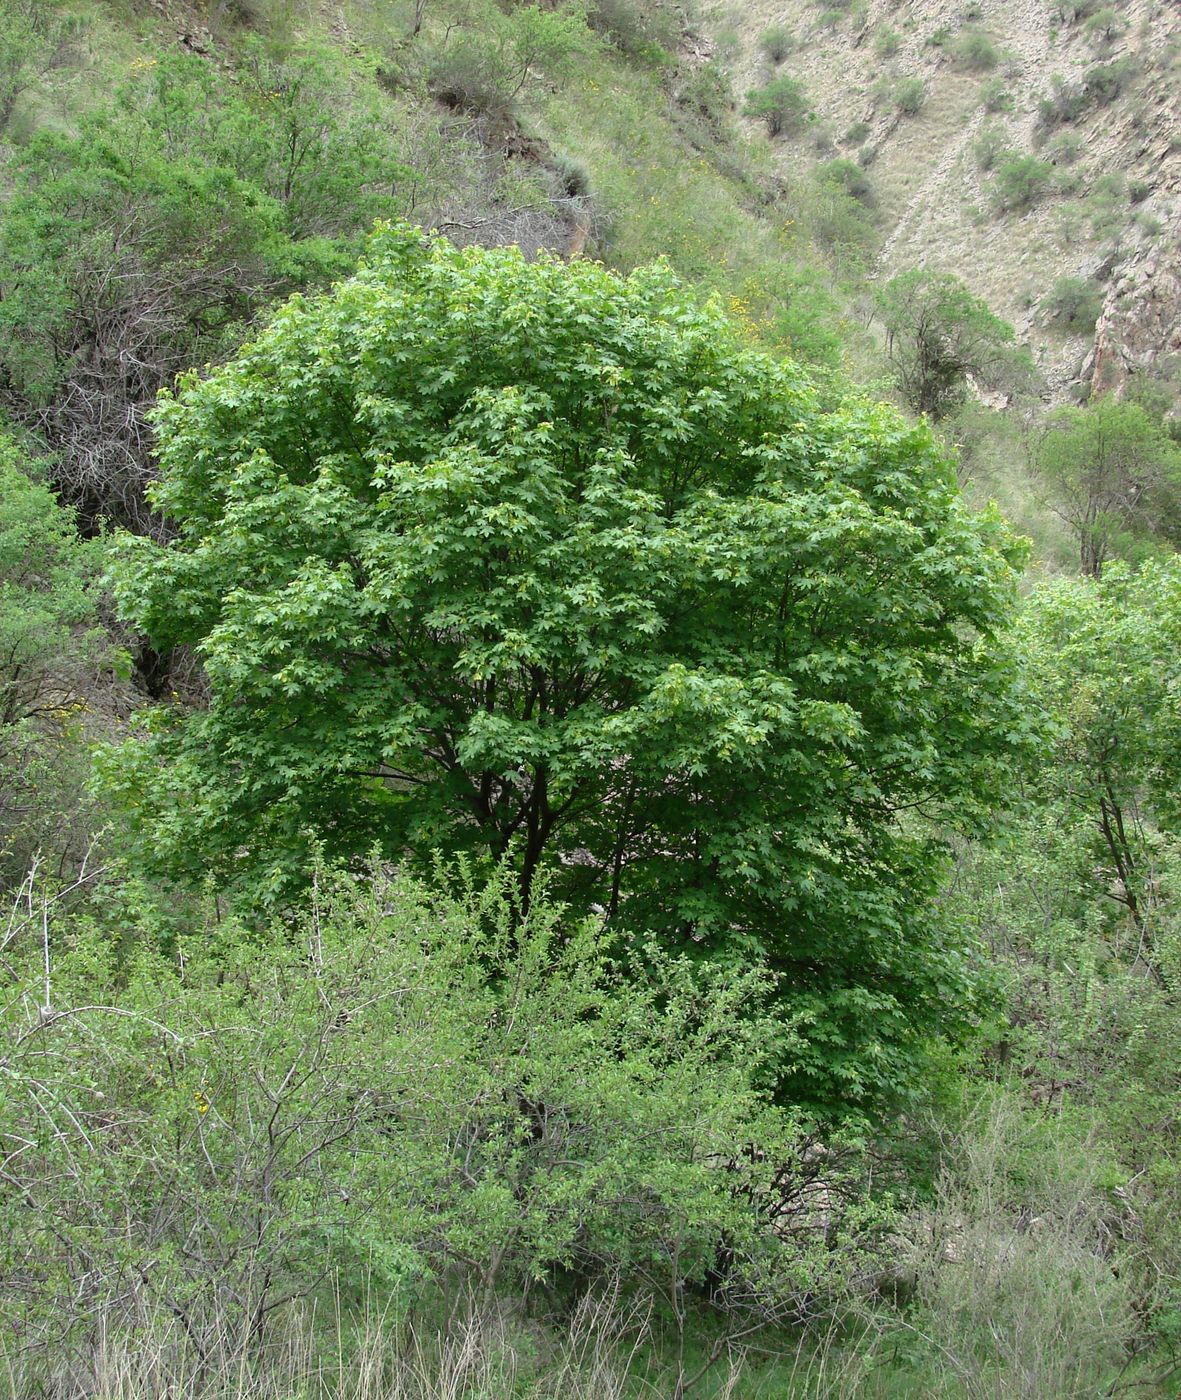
(470, 76)
(887, 42)
(857, 133)
(907, 95)
(939, 38)
(1065, 148)
(1074, 303)
(1139, 190)
(1019, 181)
(1071, 11)
(572, 175)
(989, 145)
(995, 96)
(849, 177)
(1066, 103)
(777, 42)
(976, 50)
(638, 28)
(782, 104)
(831, 19)
(1104, 82)
(1103, 27)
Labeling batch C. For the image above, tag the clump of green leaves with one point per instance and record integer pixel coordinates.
(782, 103)
(904, 95)
(938, 334)
(976, 50)
(995, 96)
(776, 41)
(437, 1089)
(525, 599)
(1018, 181)
(51, 652)
(1074, 303)
(1113, 473)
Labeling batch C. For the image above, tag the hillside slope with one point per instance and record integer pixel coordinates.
(1097, 102)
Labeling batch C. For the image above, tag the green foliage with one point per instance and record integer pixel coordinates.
(1018, 181)
(1113, 474)
(1103, 83)
(990, 145)
(143, 243)
(937, 334)
(1066, 103)
(976, 50)
(483, 69)
(1103, 27)
(524, 560)
(395, 1085)
(1075, 303)
(1064, 149)
(846, 175)
(33, 42)
(887, 42)
(995, 96)
(776, 41)
(50, 649)
(641, 29)
(782, 103)
(907, 95)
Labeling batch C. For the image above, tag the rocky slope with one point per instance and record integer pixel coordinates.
(1094, 94)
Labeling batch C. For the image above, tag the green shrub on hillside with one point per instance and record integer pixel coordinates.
(782, 103)
(394, 1088)
(52, 650)
(1074, 303)
(1103, 83)
(991, 145)
(1018, 181)
(976, 50)
(995, 96)
(886, 43)
(905, 95)
(776, 41)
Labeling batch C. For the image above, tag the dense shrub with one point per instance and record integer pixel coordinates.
(1104, 82)
(849, 177)
(1019, 181)
(401, 1085)
(1074, 303)
(782, 104)
(976, 50)
(776, 41)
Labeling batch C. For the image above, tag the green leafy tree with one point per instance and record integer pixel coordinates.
(1104, 664)
(1018, 181)
(143, 242)
(525, 560)
(50, 651)
(1113, 474)
(938, 335)
(782, 104)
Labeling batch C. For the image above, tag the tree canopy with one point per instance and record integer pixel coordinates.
(534, 563)
(938, 335)
(1113, 473)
